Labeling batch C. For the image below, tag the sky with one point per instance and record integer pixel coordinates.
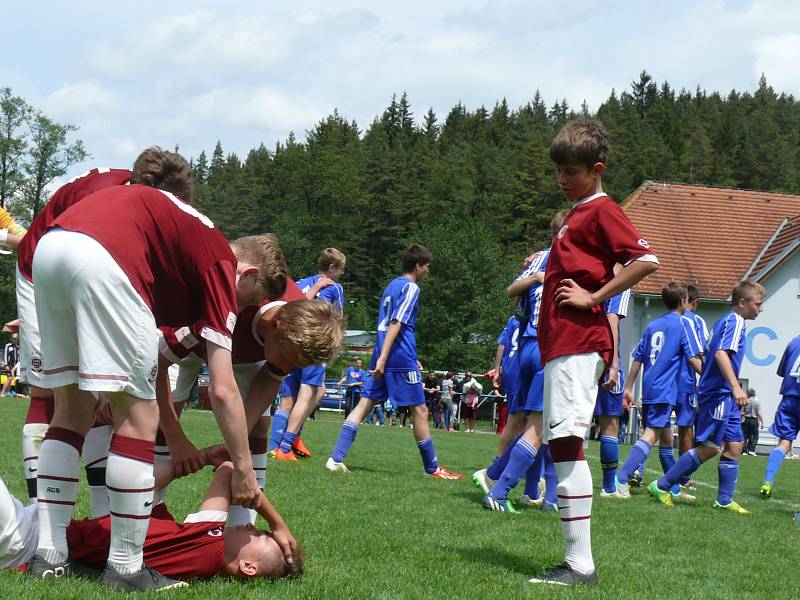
(131, 75)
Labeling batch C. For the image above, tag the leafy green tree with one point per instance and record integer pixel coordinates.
(14, 114)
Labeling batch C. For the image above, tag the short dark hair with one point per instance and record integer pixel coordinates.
(692, 293)
(164, 170)
(416, 254)
(580, 141)
(672, 294)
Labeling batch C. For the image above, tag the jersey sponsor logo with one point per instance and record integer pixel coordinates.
(53, 490)
(562, 232)
(216, 532)
(643, 243)
(231, 322)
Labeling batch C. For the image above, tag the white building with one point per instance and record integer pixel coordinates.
(713, 238)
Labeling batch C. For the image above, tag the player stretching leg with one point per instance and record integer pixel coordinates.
(394, 368)
(787, 418)
(719, 398)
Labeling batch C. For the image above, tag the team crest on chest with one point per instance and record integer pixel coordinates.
(643, 243)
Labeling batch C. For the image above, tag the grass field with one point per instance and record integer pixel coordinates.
(385, 531)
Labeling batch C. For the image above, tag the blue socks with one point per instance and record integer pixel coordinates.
(609, 459)
(728, 471)
(773, 463)
(522, 458)
(533, 475)
(428, 454)
(347, 435)
(667, 456)
(684, 466)
(279, 421)
(499, 463)
(638, 455)
(287, 441)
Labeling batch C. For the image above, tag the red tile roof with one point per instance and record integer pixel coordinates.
(707, 236)
(783, 243)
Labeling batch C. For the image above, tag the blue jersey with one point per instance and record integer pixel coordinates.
(333, 294)
(400, 302)
(666, 344)
(355, 375)
(789, 369)
(509, 364)
(688, 383)
(728, 334)
(618, 305)
(531, 301)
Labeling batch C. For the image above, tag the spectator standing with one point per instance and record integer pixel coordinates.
(753, 420)
(469, 401)
(431, 388)
(354, 377)
(447, 387)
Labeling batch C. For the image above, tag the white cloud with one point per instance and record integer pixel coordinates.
(79, 99)
(778, 57)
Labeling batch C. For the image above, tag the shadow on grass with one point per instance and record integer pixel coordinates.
(493, 557)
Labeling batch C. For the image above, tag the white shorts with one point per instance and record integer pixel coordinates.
(19, 530)
(100, 334)
(30, 343)
(570, 393)
(182, 377)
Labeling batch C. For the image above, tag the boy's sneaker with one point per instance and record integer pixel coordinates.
(732, 506)
(528, 502)
(286, 456)
(299, 448)
(635, 480)
(664, 497)
(41, 569)
(443, 473)
(614, 494)
(549, 507)
(332, 465)
(483, 481)
(490, 503)
(564, 575)
(683, 495)
(623, 490)
(766, 490)
(145, 579)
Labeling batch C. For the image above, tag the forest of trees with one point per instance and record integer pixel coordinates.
(477, 187)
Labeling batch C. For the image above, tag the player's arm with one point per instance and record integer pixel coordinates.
(164, 472)
(321, 284)
(230, 416)
(391, 335)
(696, 363)
(726, 368)
(520, 286)
(633, 373)
(185, 457)
(569, 293)
(498, 359)
(9, 239)
(613, 368)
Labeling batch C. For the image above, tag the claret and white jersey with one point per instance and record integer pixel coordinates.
(174, 257)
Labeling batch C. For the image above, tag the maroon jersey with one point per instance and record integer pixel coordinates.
(67, 195)
(182, 266)
(595, 236)
(178, 550)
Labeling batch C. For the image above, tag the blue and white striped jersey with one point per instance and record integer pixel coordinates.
(400, 302)
(729, 334)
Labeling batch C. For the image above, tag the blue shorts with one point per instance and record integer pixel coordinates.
(311, 375)
(514, 404)
(531, 375)
(609, 403)
(718, 420)
(404, 387)
(787, 419)
(656, 415)
(686, 409)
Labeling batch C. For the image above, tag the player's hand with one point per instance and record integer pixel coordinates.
(185, 457)
(497, 379)
(612, 379)
(286, 541)
(740, 396)
(215, 455)
(627, 397)
(244, 489)
(380, 367)
(570, 293)
(102, 411)
(324, 282)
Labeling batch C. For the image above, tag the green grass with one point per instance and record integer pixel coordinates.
(385, 531)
